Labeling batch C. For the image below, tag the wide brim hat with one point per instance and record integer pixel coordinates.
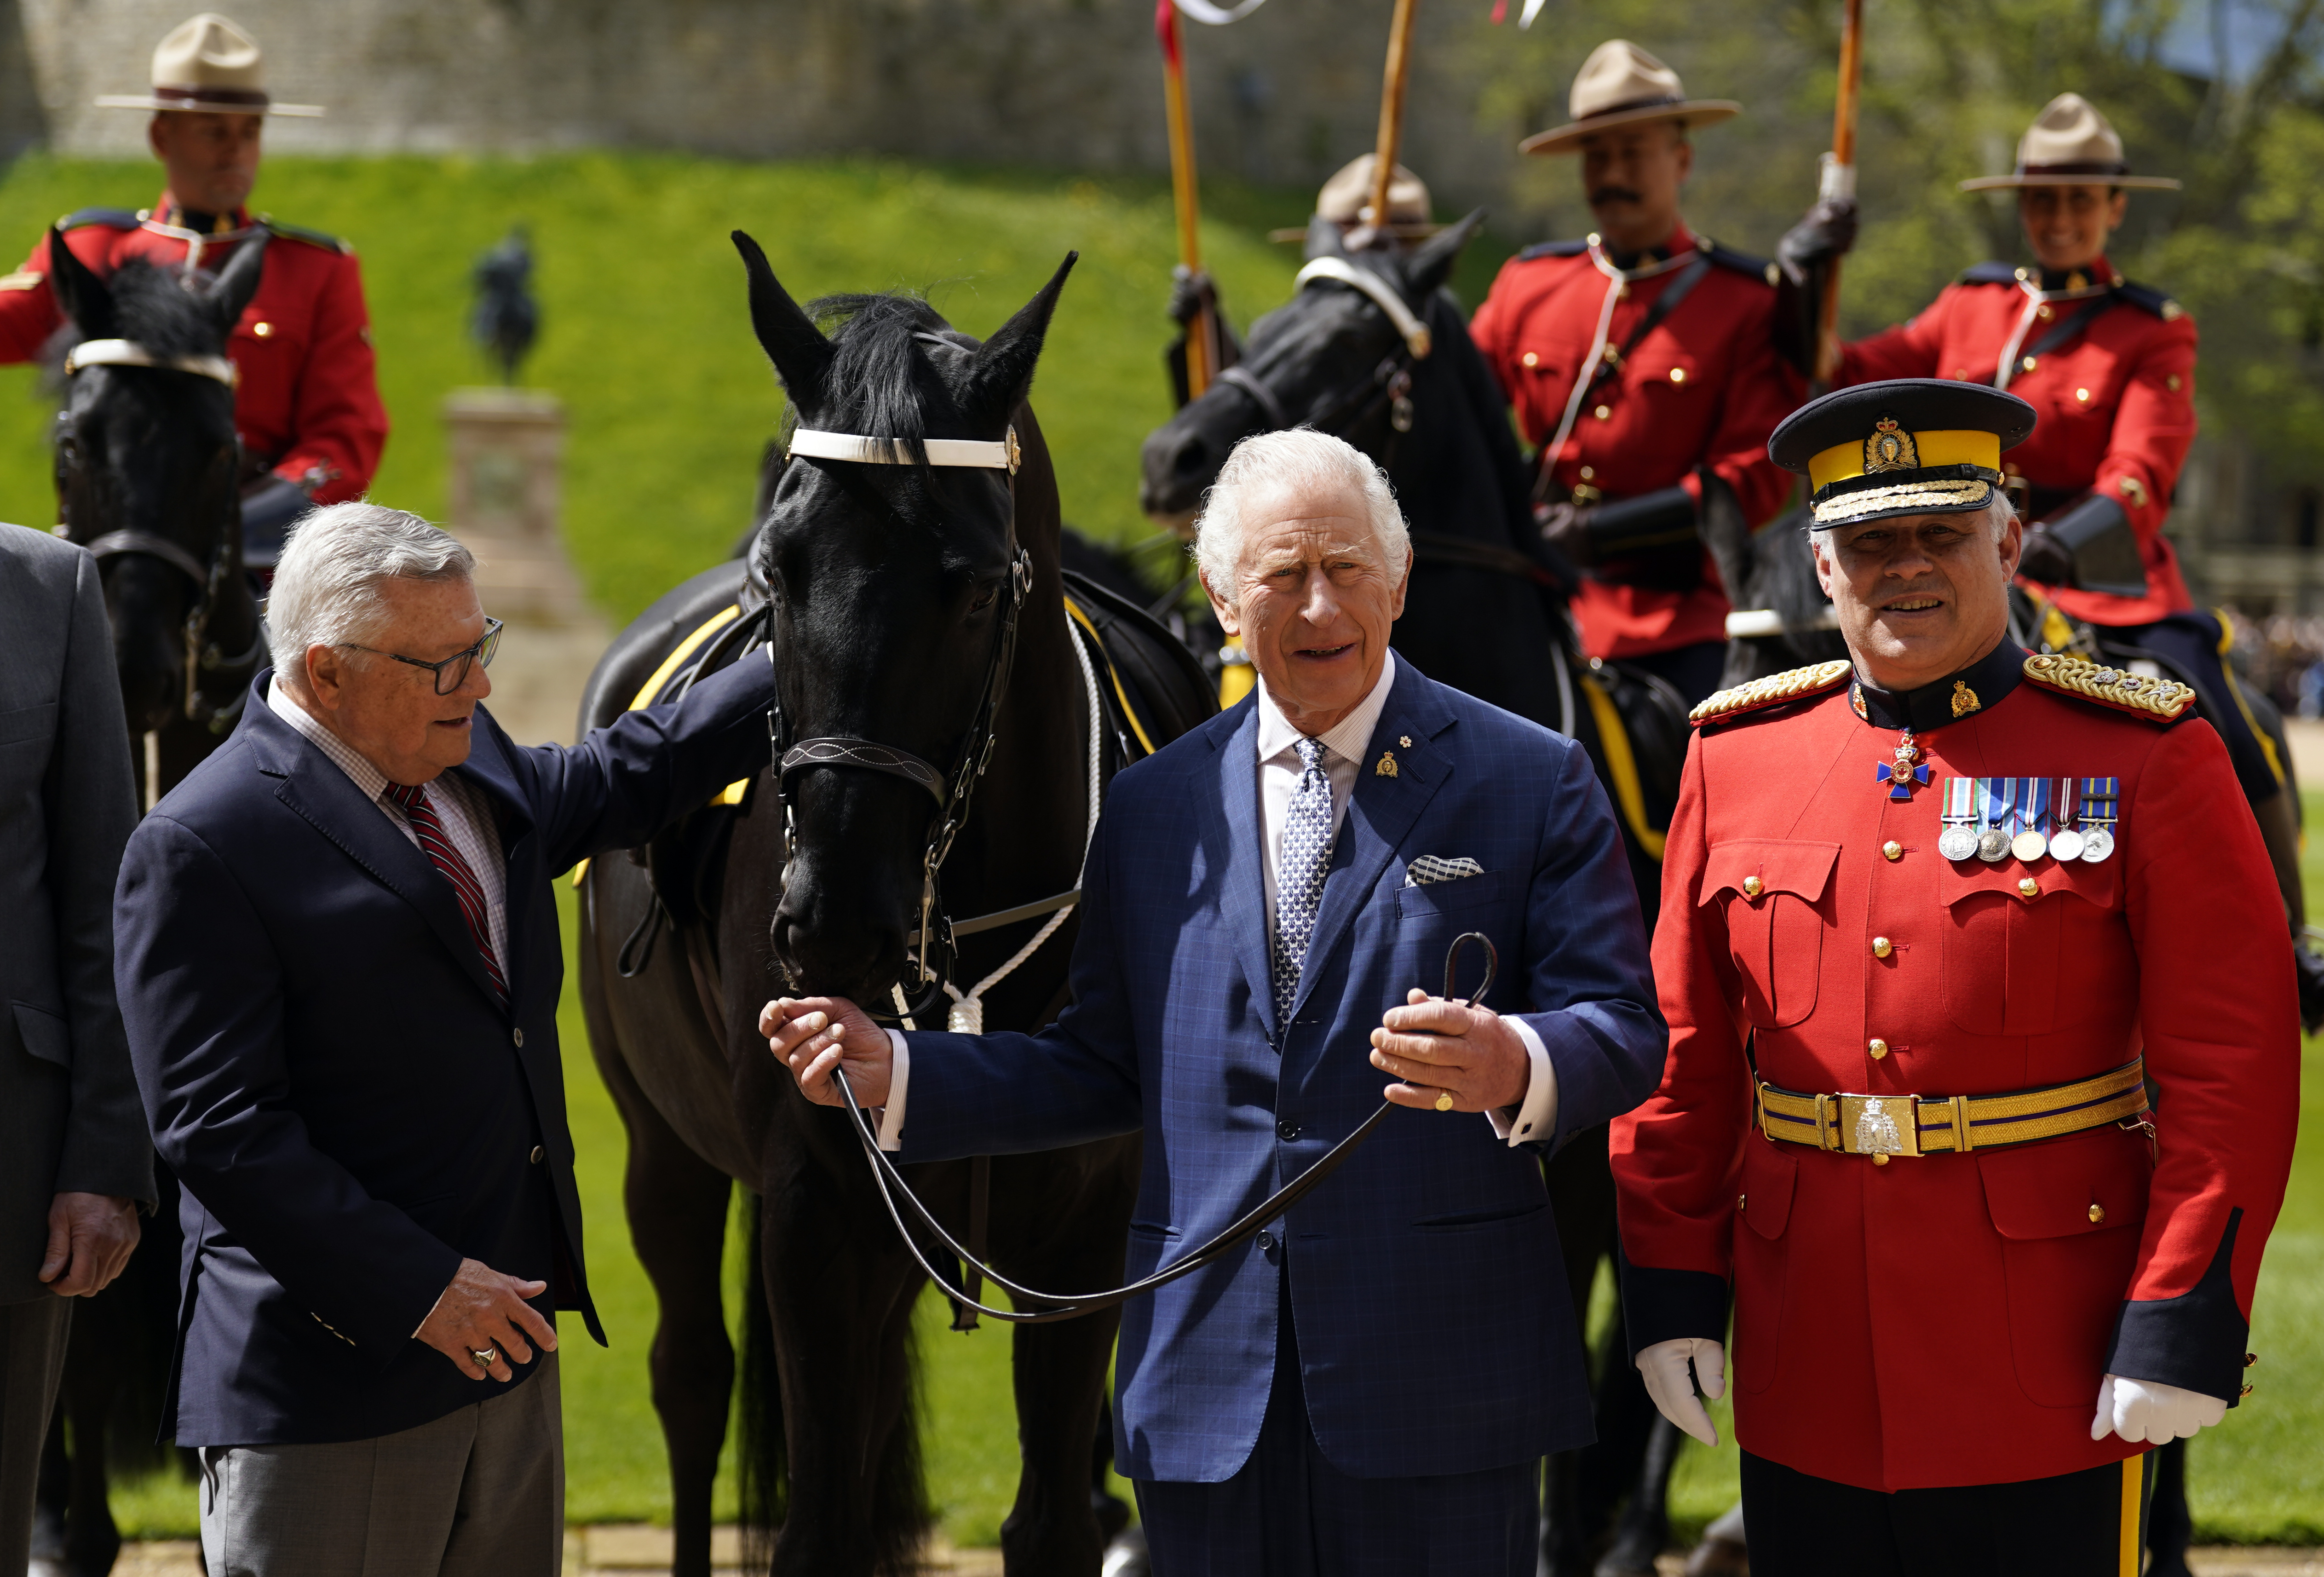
(1621, 85)
(209, 66)
(1907, 447)
(2070, 143)
(1347, 199)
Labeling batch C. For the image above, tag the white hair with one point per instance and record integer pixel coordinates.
(1298, 457)
(325, 589)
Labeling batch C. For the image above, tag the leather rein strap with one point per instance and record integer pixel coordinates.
(1073, 1306)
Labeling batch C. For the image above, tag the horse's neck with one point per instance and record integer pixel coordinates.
(1448, 473)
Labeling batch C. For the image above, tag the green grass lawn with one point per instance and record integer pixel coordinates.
(646, 340)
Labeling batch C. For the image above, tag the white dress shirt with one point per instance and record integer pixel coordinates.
(1345, 747)
(459, 806)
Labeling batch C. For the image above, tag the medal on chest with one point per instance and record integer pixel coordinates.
(1901, 774)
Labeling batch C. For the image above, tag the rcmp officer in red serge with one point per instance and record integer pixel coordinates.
(1930, 921)
(1641, 361)
(2111, 365)
(306, 402)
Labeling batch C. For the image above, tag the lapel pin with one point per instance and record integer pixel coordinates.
(1405, 739)
(1387, 767)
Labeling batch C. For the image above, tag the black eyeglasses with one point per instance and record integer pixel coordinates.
(453, 671)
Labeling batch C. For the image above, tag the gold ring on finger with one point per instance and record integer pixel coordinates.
(1443, 1100)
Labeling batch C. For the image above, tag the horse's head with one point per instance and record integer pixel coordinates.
(146, 457)
(894, 590)
(1336, 357)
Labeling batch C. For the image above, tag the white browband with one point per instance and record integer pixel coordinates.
(1416, 338)
(128, 353)
(1003, 454)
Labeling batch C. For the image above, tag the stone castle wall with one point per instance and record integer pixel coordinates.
(1282, 97)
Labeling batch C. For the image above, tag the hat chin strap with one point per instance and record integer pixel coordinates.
(128, 353)
(976, 454)
(1416, 338)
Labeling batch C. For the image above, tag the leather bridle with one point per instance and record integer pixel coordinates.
(1390, 383)
(954, 790)
(210, 580)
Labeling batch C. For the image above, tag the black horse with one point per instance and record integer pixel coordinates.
(146, 475)
(1486, 612)
(888, 594)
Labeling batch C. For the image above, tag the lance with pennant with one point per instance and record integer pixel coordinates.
(1201, 335)
(1392, 116)
(1840, 181)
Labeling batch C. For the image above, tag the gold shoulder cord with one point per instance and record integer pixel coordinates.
(2163, 700)
(1767, 691)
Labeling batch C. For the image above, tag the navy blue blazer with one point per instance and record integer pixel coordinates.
(1436, 1332)
(325, 1066)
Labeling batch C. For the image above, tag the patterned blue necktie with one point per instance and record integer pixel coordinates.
(1300, 873)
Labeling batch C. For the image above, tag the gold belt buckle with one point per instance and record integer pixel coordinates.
(1880, 1125)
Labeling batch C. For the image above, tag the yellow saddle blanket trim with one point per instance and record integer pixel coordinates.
(1623, 766)
(1766, 692)
(1920, 1125)
(1074, 612)
(2161, 700)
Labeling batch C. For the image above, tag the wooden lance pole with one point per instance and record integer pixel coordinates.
(1201, 337)
(1840, 181)
(1392, 116)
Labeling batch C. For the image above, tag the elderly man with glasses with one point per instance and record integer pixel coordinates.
(338, 965)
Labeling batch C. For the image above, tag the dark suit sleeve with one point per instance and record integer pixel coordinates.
(1589, 987)
(202, 994)
(90, 805)
(626, 781)
(1075, 1082)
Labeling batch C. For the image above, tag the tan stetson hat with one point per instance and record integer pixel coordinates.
(1620, 85)
(1347, 198)
(207, 64)
(2070, 143)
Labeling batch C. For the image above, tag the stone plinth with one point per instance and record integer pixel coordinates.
(505, 447)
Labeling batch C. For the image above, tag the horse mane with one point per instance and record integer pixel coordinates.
(878, 385)
(152, 308)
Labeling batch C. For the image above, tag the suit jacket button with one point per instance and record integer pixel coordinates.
(1286, 1130)
(537, 1153)
(519, 1036)
(1266, 1241)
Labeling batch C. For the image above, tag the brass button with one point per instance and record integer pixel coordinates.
(263, 330)
(2171, 382)
(2029, 888)
(1879, 1048)
(1531, 359)
(1882, 947)
(2027, 366)
(1753, 887)
(1589, 473)
(1892, 850)
(1678, 374)
(2244, 1392)
(2046, 312)
(2098, 1214)
(2083, 395)
(1602, 412)
(2250, 1359)
(1742, 1201)
(1879, 1160)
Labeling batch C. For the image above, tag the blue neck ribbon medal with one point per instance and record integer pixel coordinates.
(1904, 777)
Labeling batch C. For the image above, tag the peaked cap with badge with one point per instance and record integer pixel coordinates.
(1621, 85)
(306, 402)
(1924, 954)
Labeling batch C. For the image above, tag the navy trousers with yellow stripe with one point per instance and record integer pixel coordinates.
(2090, 1524)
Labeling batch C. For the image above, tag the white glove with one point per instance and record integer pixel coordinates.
(1664, 1367)
(2140, 1411)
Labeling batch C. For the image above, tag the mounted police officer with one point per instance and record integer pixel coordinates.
(2110, 364)
(1983, 1161)
(307, 405)
(1642, 360)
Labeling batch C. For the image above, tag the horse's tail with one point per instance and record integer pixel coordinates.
(763, 1457)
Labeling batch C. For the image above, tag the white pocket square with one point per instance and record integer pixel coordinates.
(1425, 869)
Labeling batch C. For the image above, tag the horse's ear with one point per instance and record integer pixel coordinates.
(237, 283)
(1431, 264)
(1326, 238)
(800, 353)
(1004, 372)
(80, 295)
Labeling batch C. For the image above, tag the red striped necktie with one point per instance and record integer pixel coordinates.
(413, 800)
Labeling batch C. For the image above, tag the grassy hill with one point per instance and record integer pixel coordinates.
(646, 339)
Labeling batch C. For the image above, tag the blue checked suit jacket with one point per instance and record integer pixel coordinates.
(1435, 1332)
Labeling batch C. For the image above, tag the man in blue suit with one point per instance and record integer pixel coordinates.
(1369, 1386)
(338, 965)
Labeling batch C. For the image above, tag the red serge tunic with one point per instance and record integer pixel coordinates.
(1945, 1319)
(2115, 399)
(1702, 388)
(308, 403)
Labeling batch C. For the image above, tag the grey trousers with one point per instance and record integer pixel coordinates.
(32, 1361)
(477, 1493)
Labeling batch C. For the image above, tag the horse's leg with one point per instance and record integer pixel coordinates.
(1581, 1198)
(675, 1203)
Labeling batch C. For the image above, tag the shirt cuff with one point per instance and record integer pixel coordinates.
(899, 1074)
(1535, 1119)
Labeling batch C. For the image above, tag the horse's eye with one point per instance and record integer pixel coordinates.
(985, 599)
